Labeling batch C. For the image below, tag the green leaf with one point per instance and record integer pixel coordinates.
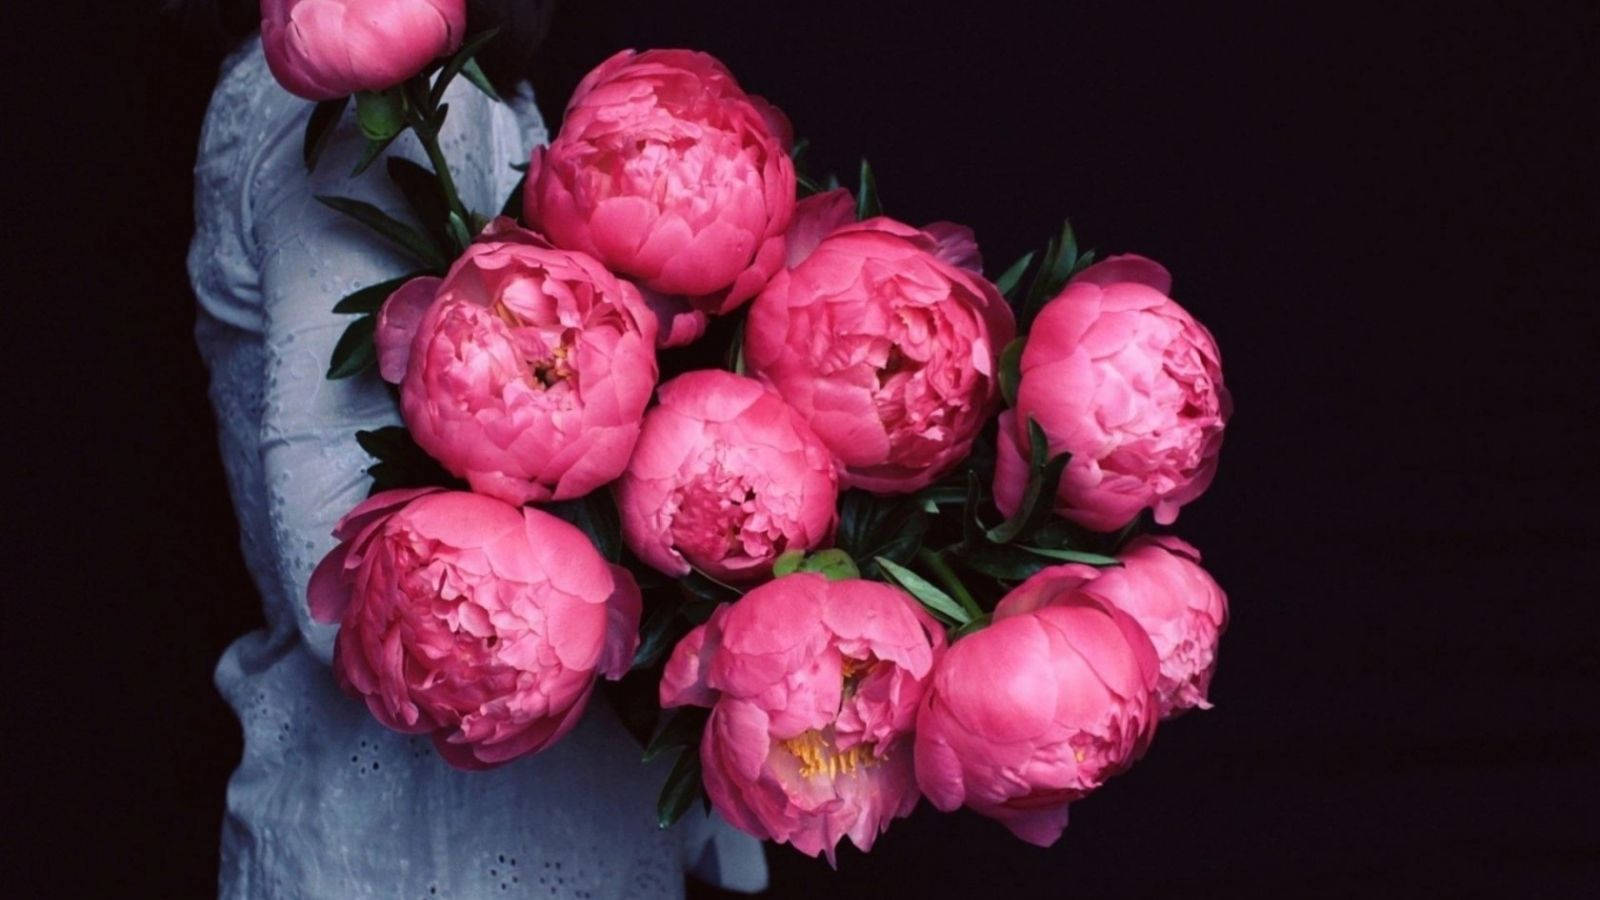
(1038, 287)
(325, 117)
(474, 73)
(1055, 533)
(398, 233)
(971, 525)
(513, 205)
(682, 730)
(1043, 475)
(458, 62)
(867, 204)
(458, 230)
(424, 196)
(1011, 369)
(1038, 444)
(734, 360)
(978, 624)
(1002, 562)
(1009, 279)
(805, 185)
(1060, 260)
(1084, 261)
(1068, 258)
(1075, 556)
(834, 565)
(681, 789)
(370, 298)
(703, 595)
(898, 544)
(941, 495)
(355, 352)
(937, 601)
(401, 463)
(374, 150)
(657, 634)
(594, 514)
(1127, 531)
(860, 513)
(389, 442)
(381, 115)
(787, 563)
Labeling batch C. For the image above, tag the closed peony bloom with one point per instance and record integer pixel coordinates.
(472, 620)
(1181, 608)
(883, 341)
(813, 687)
(1130, 384)
(525, 370)
(669, 173)
(725, 478)
(1039, 708)
(322, 49)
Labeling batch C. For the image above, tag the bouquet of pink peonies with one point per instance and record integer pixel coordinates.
(864, 524)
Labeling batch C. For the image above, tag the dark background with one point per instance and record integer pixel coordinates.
(1387, 217)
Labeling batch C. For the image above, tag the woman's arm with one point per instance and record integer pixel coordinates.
(310, 256)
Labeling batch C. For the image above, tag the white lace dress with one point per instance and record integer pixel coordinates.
(326, 802)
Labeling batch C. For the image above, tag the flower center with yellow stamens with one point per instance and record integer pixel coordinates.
(815, 750)
(818, 756)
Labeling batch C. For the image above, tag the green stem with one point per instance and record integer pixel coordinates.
(422, 110)
(941, 570)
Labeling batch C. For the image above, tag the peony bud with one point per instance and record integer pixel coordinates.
(322, 49)
(1124, 379)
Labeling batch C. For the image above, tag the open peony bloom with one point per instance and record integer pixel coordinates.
(475, 621)
(1039, 708)
(670, 174)
(813, 687)
(526, 370)
(1179, 605)
(726, 477)
(883, 341)
(322, 49)
(1130, 384)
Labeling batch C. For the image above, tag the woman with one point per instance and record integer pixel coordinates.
(326, 802)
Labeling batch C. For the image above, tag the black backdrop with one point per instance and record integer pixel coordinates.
(1387, 217)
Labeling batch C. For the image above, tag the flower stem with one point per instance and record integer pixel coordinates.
(423, 112)
(941, 570)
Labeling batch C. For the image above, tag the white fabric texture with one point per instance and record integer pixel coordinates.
(326, 802)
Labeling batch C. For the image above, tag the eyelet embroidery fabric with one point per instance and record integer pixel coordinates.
(326, 802)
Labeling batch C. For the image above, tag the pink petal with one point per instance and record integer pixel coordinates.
(1127, 267)
(397, 325)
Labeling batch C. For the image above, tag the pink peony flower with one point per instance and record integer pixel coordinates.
(478, 622)
(1126, 380)
(725, 478)
(322, 49)
(526, 370)
(669, 173)
(1183, 610)
(813, 687)
(1039, 708)
(883, 341)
